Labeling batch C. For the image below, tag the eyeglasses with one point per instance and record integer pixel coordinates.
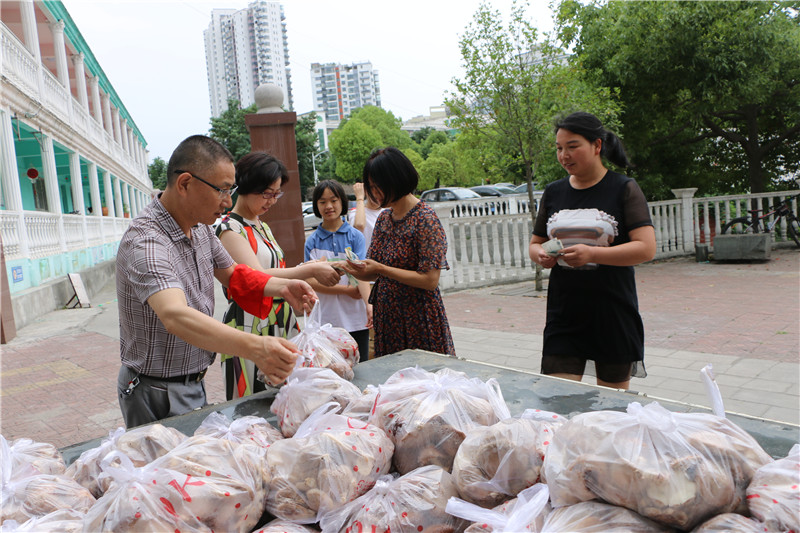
(222, 192)
(269, 195)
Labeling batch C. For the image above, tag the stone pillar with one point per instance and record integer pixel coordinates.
(123, 130)
(115, 124)
(118, 196)
(62, 72)
(9, 179)
(109, 193)
(80, 80)
(272, 130)
(94, 189)
(76, 183)
(107, 114)
(687, 218)
(94, 90)
(50, 175)
(29, 29)
(126, 198)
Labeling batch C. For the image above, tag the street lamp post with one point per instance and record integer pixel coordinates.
(314, 164)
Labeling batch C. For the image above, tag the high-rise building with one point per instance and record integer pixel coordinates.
(339, 89)
(245, 48)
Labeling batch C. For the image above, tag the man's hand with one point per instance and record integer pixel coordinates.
(276, 359)
(364, 270)
(298, 294)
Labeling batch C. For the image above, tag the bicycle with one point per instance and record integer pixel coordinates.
(753, 224)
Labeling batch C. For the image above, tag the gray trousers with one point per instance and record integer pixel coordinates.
(154, 400)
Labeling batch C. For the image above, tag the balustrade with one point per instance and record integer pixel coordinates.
(19, 66)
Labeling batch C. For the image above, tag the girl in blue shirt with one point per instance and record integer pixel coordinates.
(342, 305)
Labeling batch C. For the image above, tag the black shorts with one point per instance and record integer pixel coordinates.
(571, 364)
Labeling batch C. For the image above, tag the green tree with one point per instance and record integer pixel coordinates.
(435, 138)
(385, 124)
(435, 172)
(514, 86)
(415, 159)
(157, 170)
(421, 134)
(351, 145)
(307, 143)
(711, 90)
(230, 130)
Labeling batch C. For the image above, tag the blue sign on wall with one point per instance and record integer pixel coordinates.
(16, 274)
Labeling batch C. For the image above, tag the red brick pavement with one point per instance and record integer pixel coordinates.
(739, 309)
(61, 389)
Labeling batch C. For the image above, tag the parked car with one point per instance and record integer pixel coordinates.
(448, 194)
(310, 220)
(492, 190)
(523, 188)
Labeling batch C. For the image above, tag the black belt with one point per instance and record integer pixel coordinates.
(179, 379)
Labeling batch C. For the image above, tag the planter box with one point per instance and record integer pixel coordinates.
(752, 246)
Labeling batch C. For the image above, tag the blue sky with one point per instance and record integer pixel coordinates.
(153, 53)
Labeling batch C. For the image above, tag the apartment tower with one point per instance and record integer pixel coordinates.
(245, 48)
(339, 89)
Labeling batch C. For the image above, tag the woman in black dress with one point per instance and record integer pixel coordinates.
(592, 308)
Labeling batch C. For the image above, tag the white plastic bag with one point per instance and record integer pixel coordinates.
(24, 454)
(427, 414)
(145, 444)
(248, 430)
(305, 391)
(331, 460)
(326, 346)
(41, 494)
(598, 517)
(525, 513)
(140, 499)
(773, 496)
(497, 462)
(223, 482)
(413, 502)
(676, 468)
(86, 469)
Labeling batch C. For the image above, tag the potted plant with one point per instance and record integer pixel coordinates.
(104, 209)
(126, 211)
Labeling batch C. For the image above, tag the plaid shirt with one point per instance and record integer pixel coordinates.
(154, 254)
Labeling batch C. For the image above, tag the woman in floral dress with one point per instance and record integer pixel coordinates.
(259, 177)
(405, 259)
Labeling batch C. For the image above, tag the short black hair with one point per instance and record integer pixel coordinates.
(257, 171)
(336, 188)
(590, 128)
(198, 154)
(392, 172)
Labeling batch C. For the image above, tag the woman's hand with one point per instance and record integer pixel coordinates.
(364, 270)
(325, 274)
(578, 255)
(369, 316)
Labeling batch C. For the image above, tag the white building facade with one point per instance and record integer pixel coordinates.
(73, 163)
(244, 49)
(339, 89)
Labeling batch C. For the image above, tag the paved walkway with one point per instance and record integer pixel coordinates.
(58, 376)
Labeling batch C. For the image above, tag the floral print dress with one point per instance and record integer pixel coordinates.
(403, 316)
(240, 374)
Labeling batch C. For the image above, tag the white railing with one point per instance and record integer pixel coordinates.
(18, 65)
(711, 213)
(44, 234)
(668, 225)
(9, 227)
(55, 96)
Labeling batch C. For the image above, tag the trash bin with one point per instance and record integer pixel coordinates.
(701, 252)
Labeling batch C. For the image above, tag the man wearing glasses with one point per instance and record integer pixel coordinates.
(166, 265)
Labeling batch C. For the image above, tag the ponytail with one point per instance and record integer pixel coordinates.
(589, 126)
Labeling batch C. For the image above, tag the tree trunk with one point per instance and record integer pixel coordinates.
(529, 173)
(753, 150)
